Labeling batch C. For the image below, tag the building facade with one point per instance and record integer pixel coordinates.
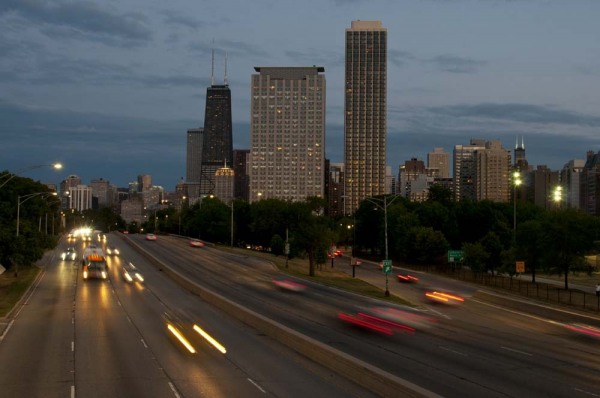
(241, 159)
(365, 112)
(287, 133)
(224, 184)
(217, 142)
(570, 180)
(440, 160)
(193, 163)
(80, 198)
(465, 170)
(493, 170)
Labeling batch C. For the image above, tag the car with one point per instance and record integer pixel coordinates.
(196, 243)
(443, 296)
(112, 251)
(69, 254)
(338, 253)
(150, 237)
(407, 278)
(290, 285)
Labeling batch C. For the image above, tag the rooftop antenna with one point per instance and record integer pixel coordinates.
(523, 142)
(226, 69)
(212, 72)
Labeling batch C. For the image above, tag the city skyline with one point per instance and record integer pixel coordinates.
(110, 89)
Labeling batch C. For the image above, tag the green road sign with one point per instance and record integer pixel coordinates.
(455, 256)
(387, 266)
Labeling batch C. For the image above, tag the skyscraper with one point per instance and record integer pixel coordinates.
(287, 133)
(217, 145)
(465, 170)
(482, 171)
(365, 103)
(193, 166)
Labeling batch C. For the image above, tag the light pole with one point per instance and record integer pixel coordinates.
(9, 176)
(231, 240)
(378, 202)
(25, 199)
(516, 182)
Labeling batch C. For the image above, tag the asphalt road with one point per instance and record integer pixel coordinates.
(475, 349)
(76, 338)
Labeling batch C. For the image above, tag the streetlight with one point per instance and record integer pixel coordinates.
(25, 199)
(516, 182)
(181, 201)
(9, 176)
(231, 241)
(377, 202)
(557, 195)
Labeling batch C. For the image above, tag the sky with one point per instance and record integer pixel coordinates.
(110, 87)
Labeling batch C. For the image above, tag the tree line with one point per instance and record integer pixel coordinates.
(491, 237)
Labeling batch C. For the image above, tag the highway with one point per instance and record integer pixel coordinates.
(109, 338)
(475, 349)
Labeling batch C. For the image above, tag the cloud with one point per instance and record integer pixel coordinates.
(175, 18)
(455, 64)
(525, 113)
(80, 20)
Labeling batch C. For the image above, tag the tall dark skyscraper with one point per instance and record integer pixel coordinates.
(217, 147)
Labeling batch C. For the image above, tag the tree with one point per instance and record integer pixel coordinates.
(428, 245)
(567, 235)
(311, 230)
(475, 256)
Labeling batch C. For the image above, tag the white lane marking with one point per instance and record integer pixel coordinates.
(437, 312)
(519, 313)
(517, 351)
(453, 351)
(256, 385)
(72, 346)
(144, 343)
(72, 391)
(7, 329)
(174, 390)
(586, 392)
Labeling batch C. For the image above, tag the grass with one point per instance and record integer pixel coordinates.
(12, 288)
(324, 275)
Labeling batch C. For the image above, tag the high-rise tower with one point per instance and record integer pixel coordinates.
(217, 146)
(365, 103)
(287, 133)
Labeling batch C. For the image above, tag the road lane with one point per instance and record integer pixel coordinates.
(109, 338)
(475, 350)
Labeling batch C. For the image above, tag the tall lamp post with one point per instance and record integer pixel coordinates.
(383, 204)
(6, 177)
(24, 198)
(516, 182)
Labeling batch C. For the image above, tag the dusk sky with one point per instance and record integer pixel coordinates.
(109, 87)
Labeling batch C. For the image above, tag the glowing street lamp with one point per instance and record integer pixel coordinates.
(9, 176)
(516, 182)
(557, 195)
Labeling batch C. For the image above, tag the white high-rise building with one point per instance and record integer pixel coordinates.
(287, 133)
(365, 112)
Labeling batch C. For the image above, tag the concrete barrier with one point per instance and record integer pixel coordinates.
(368, 376)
